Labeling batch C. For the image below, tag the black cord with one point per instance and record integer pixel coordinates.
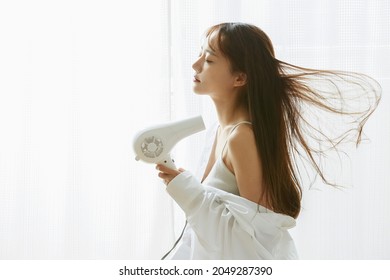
(177, 241)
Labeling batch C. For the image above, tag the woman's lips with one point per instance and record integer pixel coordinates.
(196, 80)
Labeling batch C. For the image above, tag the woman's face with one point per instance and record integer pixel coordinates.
(212, 71)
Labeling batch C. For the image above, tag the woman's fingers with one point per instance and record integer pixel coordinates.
(166, 173)
(165, 169)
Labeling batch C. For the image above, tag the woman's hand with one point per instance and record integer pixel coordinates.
(167, 174)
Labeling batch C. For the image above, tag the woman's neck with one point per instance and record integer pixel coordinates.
(230, 112)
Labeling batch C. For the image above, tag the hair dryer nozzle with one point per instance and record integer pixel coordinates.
(154, 144)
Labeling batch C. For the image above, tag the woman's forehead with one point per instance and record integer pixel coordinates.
(211, 41)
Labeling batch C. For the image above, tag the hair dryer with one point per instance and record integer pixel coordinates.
(154, 144)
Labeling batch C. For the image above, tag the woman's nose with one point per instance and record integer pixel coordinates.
(197, 66)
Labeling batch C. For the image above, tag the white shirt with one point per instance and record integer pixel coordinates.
(223, 225)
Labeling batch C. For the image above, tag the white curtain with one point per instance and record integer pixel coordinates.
(79, 78)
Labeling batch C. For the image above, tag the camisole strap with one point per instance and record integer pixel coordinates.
(231, 131)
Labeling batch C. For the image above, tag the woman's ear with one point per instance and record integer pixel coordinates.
(240, 80)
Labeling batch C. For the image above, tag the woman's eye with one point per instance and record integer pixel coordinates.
(207, 59)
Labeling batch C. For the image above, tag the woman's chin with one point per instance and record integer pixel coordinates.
(196, 90)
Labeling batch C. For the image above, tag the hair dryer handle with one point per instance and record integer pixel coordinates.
(168, 162)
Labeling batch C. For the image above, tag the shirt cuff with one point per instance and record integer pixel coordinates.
(185, 189)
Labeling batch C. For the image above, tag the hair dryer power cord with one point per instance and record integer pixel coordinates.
(177, 241)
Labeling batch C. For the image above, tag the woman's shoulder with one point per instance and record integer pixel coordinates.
(242, 148)
(242, 137)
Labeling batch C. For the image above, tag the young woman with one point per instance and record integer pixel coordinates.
(250, 192)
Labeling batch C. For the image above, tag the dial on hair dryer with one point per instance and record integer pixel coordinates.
(154, 144)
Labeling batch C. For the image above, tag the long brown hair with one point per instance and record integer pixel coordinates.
(279, 96)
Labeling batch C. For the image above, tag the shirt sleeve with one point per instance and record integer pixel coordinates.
(220, 219)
